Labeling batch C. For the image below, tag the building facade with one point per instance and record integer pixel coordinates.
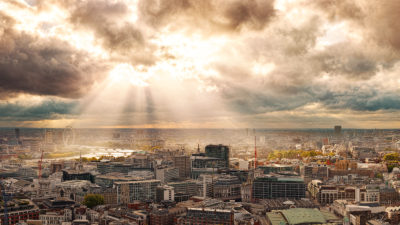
(269, 187)
(128, 192)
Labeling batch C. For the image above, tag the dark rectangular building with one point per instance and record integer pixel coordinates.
(270, 187)
(218, 151)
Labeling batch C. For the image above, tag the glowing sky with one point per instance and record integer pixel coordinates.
(200, 63)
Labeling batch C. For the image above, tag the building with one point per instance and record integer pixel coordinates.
(182, 162)
(338, 130)
(282, 203)
(165, 216)
(218, 151)
(53, 218)
(56, 167)
(128, 192)
(107, 180)
(269, 187)
(75, 189)
(227, 187)
(276, 168)
(77, 175)
(328, 193)
(58, 203)
(165, 193)
(205, 165)
(187, 187)
(297, 216)
(363, 153)
(166, 174)
(207, 216)
(22, 210)
(120, 167)
(110, 196)
(27, 172)
(140, 161)
(388, 196)
(368, 194)
(345, 165)
(314, 171)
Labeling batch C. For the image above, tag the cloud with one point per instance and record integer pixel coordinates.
(377, 19)
(340, 76)
(206, 60)
(209, 16)
(108, 19)
(43, 66)
(48, 109)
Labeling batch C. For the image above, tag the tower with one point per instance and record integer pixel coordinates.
(255, 152)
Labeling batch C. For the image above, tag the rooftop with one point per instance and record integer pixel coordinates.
(138, 181)
(303, 216)
(276, 218)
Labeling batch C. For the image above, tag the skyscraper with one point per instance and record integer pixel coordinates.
(182, 162)
(338, 130)
(218, 151)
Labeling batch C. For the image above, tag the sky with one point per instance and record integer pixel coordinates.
(200, 64)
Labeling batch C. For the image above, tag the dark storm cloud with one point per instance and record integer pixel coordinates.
(209, 15)
(296, 79)
(30, 64)
(378, 19)
(116, 34)
(49, 109)
(351, 61)
(361, 100)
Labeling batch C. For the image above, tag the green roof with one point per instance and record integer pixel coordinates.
(276, 218)
(303, 216)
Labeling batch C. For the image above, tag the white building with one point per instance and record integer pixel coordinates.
(165, 193)
(53, 218)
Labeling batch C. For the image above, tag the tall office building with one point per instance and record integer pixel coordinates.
(218, 151)
(17, 136)
(338, 129)
(182, 162)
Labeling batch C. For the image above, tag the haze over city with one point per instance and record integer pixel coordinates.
(188, 112)
(199, 64)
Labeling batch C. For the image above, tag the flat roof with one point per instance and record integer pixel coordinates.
(303, 216)
(297, 179)
(138, 181)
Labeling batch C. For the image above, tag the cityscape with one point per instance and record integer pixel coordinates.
(186, 176)
(199, 112)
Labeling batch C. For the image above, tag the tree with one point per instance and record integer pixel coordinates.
(92, 200)
(391, 157)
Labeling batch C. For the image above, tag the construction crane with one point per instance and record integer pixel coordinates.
(6, 198)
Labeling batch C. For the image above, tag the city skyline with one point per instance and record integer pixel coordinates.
(200, 64)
